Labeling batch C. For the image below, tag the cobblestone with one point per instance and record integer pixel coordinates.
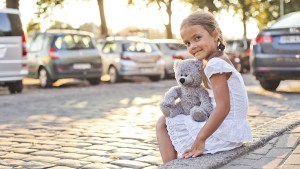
(105, 126)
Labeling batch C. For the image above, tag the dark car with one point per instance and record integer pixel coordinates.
(239, 51)
(60, 54)
(276, 54)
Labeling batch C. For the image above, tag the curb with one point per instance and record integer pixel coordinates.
(261, 135)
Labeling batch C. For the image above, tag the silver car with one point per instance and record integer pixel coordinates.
(124, 57)
(13, 51)
(172, 50)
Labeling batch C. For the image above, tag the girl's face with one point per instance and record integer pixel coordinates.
(199, 42)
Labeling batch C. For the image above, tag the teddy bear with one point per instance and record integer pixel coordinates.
(189, 97)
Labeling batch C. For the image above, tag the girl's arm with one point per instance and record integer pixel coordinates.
(221, 94)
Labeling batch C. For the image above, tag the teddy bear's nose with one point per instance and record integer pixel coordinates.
(182, 80)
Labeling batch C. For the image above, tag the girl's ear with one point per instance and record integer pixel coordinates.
(216, 33)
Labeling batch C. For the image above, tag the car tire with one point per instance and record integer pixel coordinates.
(94, 81)
(114, 75)
(15, 87)
(45, 79)
(154, 78)
(164, 75)
(270, 85)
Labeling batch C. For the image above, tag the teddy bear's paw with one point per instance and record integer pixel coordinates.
(198, 116)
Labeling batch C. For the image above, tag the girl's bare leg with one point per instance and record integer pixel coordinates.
(165, 146)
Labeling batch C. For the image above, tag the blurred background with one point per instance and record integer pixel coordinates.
(148, 18)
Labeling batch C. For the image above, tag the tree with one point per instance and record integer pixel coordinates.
(45, 5)
(168, 6)
(12, 4)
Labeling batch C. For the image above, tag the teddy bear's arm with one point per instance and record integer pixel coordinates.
(168, 104)
(205, 102)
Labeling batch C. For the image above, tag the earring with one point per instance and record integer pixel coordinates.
(221, 46)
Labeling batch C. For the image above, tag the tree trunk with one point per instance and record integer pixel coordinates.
(244, 9)
(12, 4)
(169, 25)
(104, 31)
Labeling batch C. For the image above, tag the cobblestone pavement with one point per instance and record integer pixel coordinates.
(105, 126)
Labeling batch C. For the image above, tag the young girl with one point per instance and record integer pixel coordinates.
(227, 127)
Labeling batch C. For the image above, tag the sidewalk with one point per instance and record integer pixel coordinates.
(275, 145)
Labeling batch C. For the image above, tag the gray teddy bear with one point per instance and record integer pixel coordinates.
(189, 97)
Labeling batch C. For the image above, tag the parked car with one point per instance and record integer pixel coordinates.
(172, 50)
(239, 51)
(13, 51)
(276, 54)
(59, 54)
(125, 57)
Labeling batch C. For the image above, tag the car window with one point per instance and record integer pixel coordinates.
(37, 44)
(290, 20)
(10, 25)
(73, 42)
(175, 46)
(139, 47)
(109, 47)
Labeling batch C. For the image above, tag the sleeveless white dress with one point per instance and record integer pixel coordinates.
(234, 130)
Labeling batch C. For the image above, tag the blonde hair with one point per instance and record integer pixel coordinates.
(209, 23)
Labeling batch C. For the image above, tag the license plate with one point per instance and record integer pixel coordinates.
(2, 52)
(147, 70)
(290, 39)
(82, 66)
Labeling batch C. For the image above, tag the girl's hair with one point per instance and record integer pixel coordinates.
(209, 23)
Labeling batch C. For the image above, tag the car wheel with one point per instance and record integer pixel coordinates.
(94, 81)
(154, 78)
(15, 87)
(45, 79)
(164, 75)
(270, 85)
(114, 75)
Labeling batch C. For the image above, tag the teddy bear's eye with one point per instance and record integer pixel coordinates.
(181, 74)
(185, 75)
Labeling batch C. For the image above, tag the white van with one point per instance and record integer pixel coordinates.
(13, 67)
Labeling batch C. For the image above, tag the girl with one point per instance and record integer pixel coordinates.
(227, 127)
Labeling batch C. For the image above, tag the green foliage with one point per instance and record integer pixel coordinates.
(45, 6)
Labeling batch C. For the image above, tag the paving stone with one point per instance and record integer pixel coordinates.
(150, 159)
(287, 141)
(23, 150)
(130, 164)
(100, 166)
(97, 159)
(16, 156)
(124, 156)
(293, 160)
(36, 165)
(288, 167)
(270, 163)
(70, 156)
(61, 167)
(46, 153)
(46, 159)
(11, 162)
(71, 163)
(278, 152)
(4, 167)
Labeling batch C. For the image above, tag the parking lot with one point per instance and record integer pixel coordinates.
(76, 125)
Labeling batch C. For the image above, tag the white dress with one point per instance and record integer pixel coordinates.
(234, 130)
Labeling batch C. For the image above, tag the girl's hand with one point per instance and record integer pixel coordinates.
(196, 150)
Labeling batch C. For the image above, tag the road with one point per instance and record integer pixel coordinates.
(74, 125)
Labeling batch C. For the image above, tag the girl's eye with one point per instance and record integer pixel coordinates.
(198, 38)
(187, 43)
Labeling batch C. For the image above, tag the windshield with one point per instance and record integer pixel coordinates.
(175, 46)
(139, 47)
(73, 42)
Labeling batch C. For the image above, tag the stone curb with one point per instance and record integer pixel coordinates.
(261, 135)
